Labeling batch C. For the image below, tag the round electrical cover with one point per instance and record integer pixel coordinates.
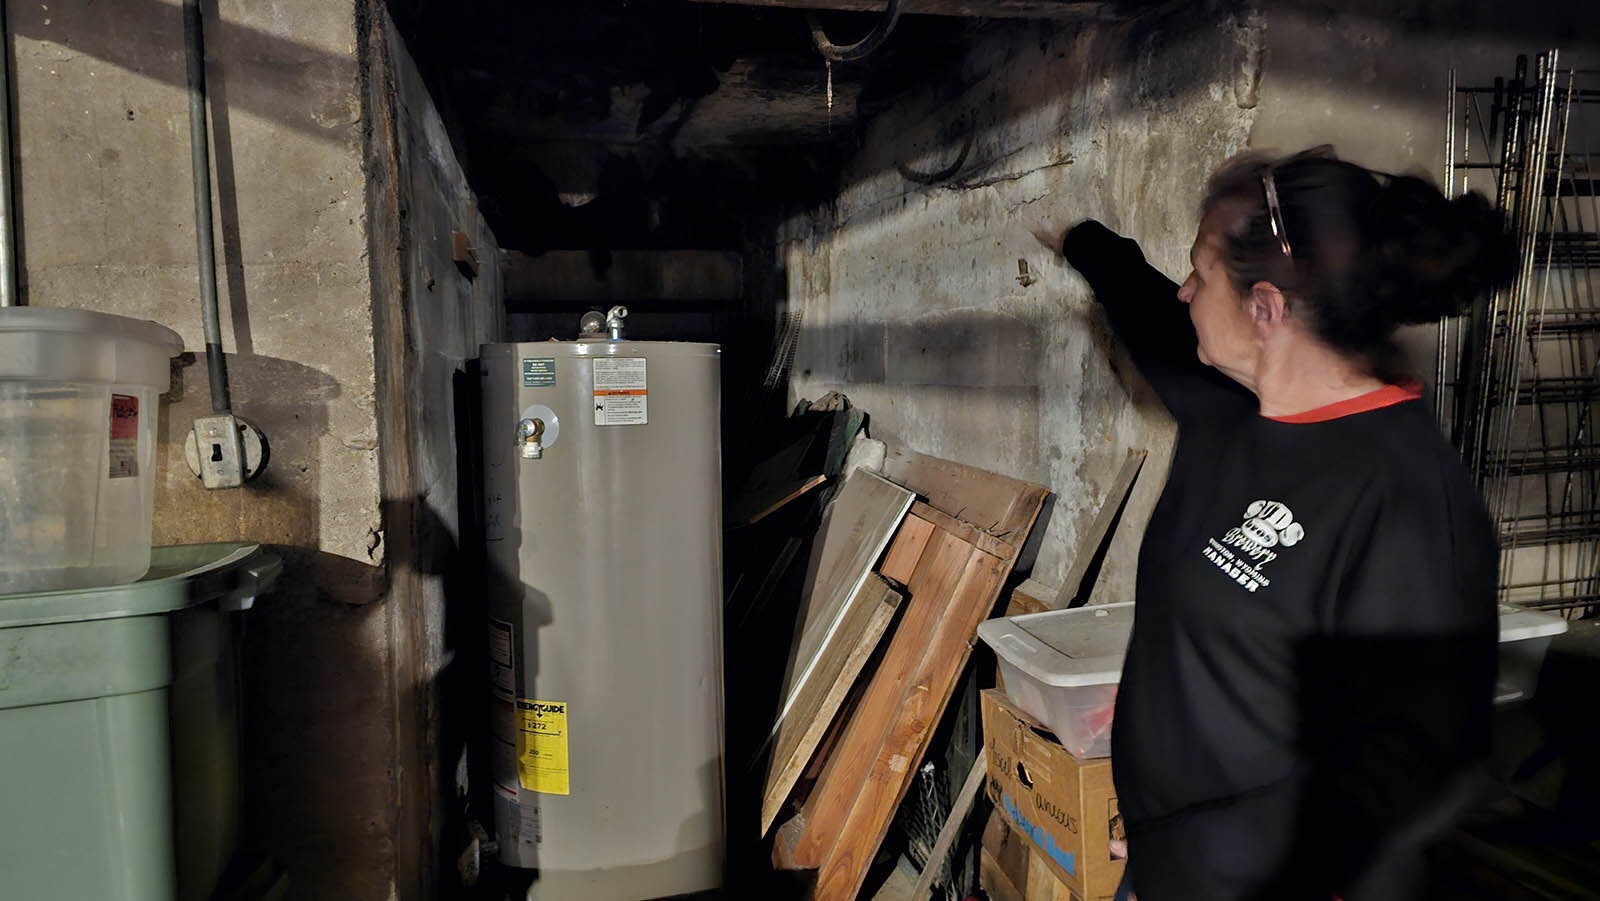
(252, 439)
(552, 422)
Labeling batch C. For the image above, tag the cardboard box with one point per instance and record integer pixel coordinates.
(1010, 868)
(1067, 807)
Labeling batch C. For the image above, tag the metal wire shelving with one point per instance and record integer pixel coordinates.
(1518, 380)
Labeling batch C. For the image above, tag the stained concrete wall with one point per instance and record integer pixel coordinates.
(912, 297)
(338, 661)
(437, 299)
(910, 292)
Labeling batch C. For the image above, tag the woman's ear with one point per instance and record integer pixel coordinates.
(1266, 304)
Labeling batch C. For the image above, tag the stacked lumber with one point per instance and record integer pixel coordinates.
(950, 557)
(848, 608)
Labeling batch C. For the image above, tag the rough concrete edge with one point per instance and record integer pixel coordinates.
(414, 830)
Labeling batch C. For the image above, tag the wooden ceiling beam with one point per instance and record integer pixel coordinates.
(977, 9)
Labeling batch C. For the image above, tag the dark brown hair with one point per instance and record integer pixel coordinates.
(1368, 251)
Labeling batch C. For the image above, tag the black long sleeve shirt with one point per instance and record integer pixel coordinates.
(1308, 686)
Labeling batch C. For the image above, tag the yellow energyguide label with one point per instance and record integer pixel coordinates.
(542, 746)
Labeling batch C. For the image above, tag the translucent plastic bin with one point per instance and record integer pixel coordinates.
(119, 733)
(78, 403)
(1524, 637)
(1062, 667)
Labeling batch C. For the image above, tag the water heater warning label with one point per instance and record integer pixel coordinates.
(621, 396)
(542, 746)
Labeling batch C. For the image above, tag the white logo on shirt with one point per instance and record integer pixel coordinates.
(1246, 549)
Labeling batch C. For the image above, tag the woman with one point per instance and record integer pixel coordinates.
(1307, 693)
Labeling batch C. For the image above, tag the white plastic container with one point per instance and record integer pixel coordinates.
(1062, 667)
(1524, 637)
(78, 402)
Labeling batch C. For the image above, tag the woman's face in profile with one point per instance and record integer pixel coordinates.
(1228, 339)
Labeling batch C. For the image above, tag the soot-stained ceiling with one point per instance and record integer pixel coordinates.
(608, 124)
(669, 123)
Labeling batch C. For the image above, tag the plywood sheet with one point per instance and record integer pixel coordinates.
(1091, 543)
(855, 530)
(943, 563)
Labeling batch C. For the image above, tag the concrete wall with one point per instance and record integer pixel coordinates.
(432, 313)
(910, 292)
(339, 661)
(911, 295)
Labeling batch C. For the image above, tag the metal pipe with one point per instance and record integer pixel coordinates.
(200, 151)
(8, 225)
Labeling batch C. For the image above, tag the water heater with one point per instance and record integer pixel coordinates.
(602, 475)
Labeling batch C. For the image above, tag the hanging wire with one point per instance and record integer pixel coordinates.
(844, 53)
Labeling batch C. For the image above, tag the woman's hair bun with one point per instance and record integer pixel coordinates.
(1435, 255)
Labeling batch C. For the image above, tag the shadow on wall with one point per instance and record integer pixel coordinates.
(314, 664)
(289, 402)
(227, 194)
(316, 686)
(1004, 356)
(275, 78)
(323, 681)
(966, 348)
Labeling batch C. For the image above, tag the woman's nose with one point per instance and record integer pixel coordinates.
(1186, 290)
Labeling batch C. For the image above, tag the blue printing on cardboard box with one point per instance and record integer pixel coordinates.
(1043, 839)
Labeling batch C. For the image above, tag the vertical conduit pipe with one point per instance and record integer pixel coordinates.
(8, 225)
(200, 150)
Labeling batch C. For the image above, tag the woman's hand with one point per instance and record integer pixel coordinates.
(1119, 851)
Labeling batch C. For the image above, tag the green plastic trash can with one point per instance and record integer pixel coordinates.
(119, 767)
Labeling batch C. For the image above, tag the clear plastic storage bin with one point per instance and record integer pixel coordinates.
(1062, 667)
(1524, 637)
(78, 394)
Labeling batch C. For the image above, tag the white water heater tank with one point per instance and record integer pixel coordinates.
(602, 472)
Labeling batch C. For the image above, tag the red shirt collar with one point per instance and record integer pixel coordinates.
(1387, 396)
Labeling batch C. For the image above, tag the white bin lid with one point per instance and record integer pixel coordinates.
(63, 345)
(1080, 646)
(1517, 624)
(1086, 645)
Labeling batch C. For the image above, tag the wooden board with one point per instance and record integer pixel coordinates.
(855, 529)
(900, 563)
(924, 697)
(931, 588)
(780, 499)
(866, 619)
(967, 532)
(770, 482)
(1090, 544)
(954, 585)
(999, 505)
(1031, 596)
